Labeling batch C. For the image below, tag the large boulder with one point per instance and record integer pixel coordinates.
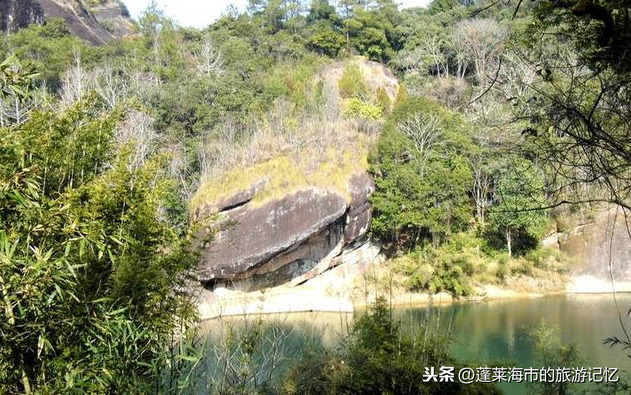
(361, 188)
(275, 241)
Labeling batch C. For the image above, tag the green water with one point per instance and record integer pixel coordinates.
(497, 332)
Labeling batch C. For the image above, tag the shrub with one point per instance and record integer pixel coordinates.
(352, 83)
(434, 270)
(383, 100)
(379, 357)
(359, 108)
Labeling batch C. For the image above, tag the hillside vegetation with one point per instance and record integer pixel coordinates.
(322, 145)
(473, 119)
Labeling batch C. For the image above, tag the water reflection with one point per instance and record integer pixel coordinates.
(493, 332)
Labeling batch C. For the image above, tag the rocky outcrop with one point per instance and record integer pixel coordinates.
(334, 290)
(16, 14)
(274, 242)
(359, 212)
(600, 245)
(114, 17)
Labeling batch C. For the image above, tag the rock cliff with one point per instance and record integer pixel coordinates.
(15, 14)
(285, 238)
(106, 21)
(300, 210)
(598, 242)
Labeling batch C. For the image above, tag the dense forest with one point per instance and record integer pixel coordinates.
(504, 113)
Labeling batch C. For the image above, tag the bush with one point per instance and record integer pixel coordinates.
(254, 357)
(352, 83)
(383, 100)
(543, 258)
(378, 357)
(362, 109)
(434, 270)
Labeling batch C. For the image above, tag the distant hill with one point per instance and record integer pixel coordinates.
(96, 21)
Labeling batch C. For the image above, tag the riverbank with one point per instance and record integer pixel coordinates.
(352, 286)
(314, 298)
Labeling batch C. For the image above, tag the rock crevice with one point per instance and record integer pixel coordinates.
(276, 242)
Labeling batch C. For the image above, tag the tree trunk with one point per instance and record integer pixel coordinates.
(509, 240)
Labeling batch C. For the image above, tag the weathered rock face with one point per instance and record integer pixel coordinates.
(114, 17)
(16, 14)
(599, 245)
(282, 239)
(359, 211)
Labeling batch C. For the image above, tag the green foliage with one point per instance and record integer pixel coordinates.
(325, 40)
(372, 31)
(439, 6)
(452, 267)
(16, 90)
(75, 145)
(421, 174)
(359, 108)
(467, 260)
(93, 247)
(436, 270)
(518, 200)
(352, 83)
(16, 79)
(380, 357)
(89, 268)
(581, 129)
(49, 47)
(554, 353)
(383, 100)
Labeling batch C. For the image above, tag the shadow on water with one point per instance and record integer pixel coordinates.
(492, 333)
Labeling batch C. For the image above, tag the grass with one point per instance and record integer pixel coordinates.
(283, 175)
(295, 145)
(462, 264)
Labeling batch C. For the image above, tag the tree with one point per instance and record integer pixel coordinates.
(578, 106)
(422, 176)
(208, 59)
(325, 41)
(50, 48)
(90, 268)
(322, 10)
(423, 130)
(75, 83)
(438, 6)
(371, 30)
(517, 201)
(153, 25)
(479, 41)
(481, 189)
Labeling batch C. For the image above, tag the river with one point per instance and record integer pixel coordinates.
(497, 332)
